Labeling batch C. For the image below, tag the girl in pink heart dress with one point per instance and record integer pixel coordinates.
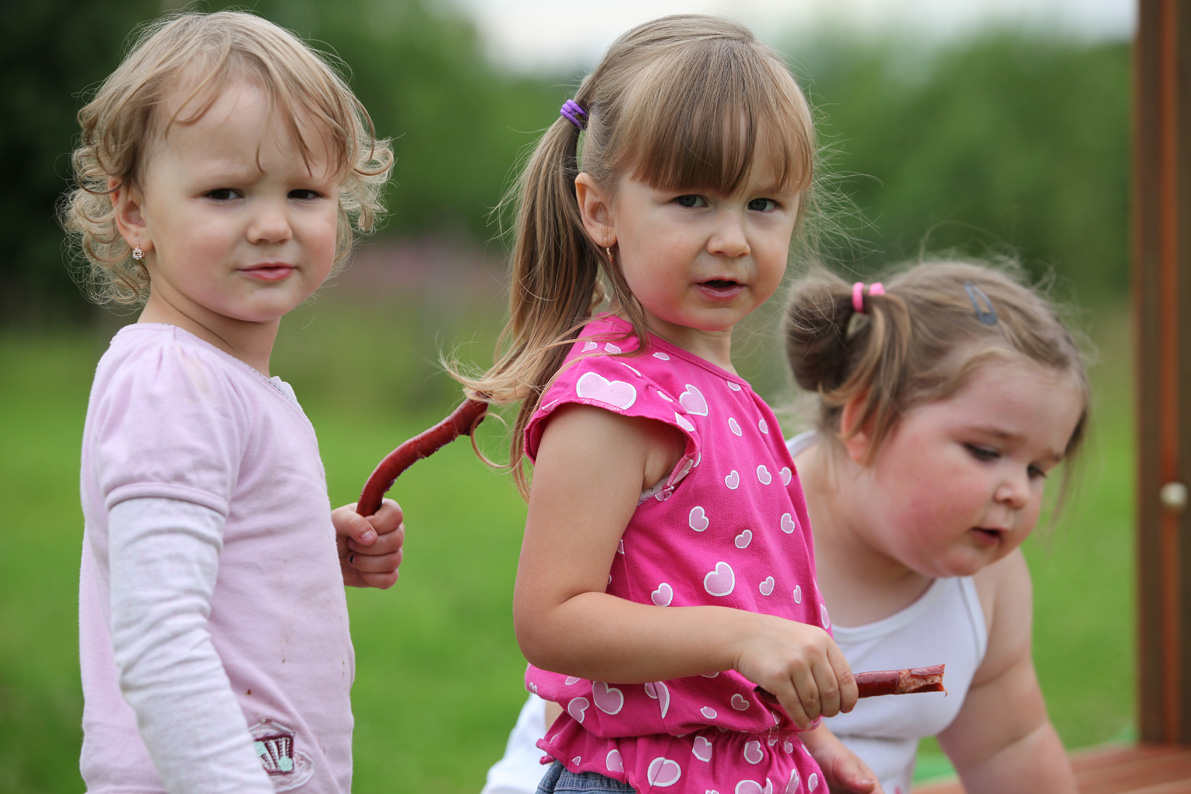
(666, 594)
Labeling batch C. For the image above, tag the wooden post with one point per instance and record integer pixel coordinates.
(1162, 295)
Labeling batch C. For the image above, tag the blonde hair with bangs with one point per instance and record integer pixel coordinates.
(196, 57)
(682, 102)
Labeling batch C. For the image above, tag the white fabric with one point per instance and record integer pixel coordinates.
(521, 768)
(164, 562)
(173, 418)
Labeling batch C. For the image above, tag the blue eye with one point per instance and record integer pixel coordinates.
(762, 205)
(690, 200)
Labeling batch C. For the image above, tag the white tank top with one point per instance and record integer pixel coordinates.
(944, 626)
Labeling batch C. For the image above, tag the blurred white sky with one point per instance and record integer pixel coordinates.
(572, 34)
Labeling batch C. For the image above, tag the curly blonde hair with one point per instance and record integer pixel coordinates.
(203, 54)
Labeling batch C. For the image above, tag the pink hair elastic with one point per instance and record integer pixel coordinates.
(858, 294)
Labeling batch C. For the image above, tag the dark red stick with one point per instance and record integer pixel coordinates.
(901, 682)
(461, 422)
(891, 682)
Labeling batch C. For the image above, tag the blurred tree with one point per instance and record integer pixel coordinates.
(1008, 140)
(50, 51)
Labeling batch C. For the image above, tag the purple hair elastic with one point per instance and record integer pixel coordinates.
(574, 114)
(858, 294)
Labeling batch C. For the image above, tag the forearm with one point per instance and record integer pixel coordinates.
(164, 562)
(1036, 763)
(605, 638)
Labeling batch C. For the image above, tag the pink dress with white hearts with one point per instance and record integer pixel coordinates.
(728, 527)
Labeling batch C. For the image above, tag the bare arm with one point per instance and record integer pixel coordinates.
(1003, 739)
(591, 467)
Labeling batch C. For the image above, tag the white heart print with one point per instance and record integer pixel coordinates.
(577, 708)
(611, 348)
(744, 539)
(753, 752)
(763, 475)
(787, 475)
(617, 393)
(663, 772)
(788, 525)
(734, 426)
(663, 595)
(798, 594)
(702, 748)
(763, 426)
(614, 762)
(661, 693)
(698, 519)
(721, 581)
(732, 480)
(683, 422)
(661, 356)
(608, 699)
(766, 587)
(739, 703)
(693, 401)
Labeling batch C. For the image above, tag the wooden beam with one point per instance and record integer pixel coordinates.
(1162, 284)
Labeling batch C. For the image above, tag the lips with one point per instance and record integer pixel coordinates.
(989, 536)
(721, 288)
(268, 271)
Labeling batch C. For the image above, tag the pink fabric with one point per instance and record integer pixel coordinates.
(729, 527)
(173, 417)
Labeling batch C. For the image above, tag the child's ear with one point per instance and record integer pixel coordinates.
(595, 211)
(856, 436)
(130, 221)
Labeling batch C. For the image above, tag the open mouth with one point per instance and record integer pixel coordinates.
(721, 288)
(988, 535)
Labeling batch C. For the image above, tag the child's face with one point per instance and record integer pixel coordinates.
(239, 230)
(698, 262)
(959, 482)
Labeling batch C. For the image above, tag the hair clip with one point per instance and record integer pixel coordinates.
(858, 294)
(984, 313)
(574, 114)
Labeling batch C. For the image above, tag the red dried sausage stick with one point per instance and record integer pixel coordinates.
(890, 682)
(462, 421)
(901, 682)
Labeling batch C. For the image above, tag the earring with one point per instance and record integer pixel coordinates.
(611, 260)
(137, 253)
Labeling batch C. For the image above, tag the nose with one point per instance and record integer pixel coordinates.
(729, 237)
(270, 223)
(1014, 490)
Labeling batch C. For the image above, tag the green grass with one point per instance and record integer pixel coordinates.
(438, 672)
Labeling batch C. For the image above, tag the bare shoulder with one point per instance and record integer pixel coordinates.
(1007, 599)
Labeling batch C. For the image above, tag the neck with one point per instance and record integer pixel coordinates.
(860, 582)
(250, 342)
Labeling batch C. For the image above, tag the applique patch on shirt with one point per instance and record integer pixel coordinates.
(287, 766)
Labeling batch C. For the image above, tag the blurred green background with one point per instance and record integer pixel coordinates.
(1005, 139)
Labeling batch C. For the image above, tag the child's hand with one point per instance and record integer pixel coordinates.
(843, 771)
(800, 665)
(370, 548)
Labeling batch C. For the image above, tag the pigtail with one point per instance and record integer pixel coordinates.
(842, 353)
(554, 285)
